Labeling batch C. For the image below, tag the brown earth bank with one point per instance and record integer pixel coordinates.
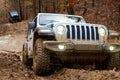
(11, 67)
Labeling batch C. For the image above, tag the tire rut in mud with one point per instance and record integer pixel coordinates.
(11, 68)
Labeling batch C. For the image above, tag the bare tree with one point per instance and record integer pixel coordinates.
(119, 13)
(93, 3)
(69, 5)
(34, 7)
(39, 5)
(21, 9)
(85, 7)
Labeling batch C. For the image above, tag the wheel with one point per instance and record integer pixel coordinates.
(25, 59)
(114, 61)
(41, 60)
(111, 62)
(102, 65)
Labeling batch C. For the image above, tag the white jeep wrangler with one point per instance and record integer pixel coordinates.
(71, 40)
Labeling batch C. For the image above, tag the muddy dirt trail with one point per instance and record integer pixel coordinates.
(12, 37)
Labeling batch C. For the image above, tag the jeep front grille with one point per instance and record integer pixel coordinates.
(82, 32)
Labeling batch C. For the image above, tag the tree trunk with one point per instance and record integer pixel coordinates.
(39, 6)
(34, 7)
(93, 3)
(20, 10)
(69, 5)
(70, 10)
(119, 14)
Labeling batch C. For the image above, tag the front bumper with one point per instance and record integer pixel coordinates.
(56, 46)
(111, 47)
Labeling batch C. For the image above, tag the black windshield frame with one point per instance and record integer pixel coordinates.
(51, 19)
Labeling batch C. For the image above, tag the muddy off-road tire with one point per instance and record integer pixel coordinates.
(111, 62)
(114, 61)
(41, 60)
(102, 65)
(27, 61)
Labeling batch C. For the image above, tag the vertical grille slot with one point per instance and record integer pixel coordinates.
(78, 32)
(68, 31)
(97, 34)
(88, 32)
(73, 32)
(92, 33)
(81, 32)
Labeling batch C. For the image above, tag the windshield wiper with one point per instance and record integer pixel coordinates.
(42, 24)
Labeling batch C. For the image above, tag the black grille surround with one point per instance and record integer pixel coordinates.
(82, 32)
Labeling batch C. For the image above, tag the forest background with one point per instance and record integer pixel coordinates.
(106, 12)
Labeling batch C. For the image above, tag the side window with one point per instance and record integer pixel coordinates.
(35, 20)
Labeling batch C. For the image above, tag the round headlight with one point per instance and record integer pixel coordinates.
(102, 31)
(60, 29)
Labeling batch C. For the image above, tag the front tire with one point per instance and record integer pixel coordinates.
(25, 59)
(111, 62)
(41, 61)
(114, 61)
(102, 65)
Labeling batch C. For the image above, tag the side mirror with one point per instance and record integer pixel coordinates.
(31, 25)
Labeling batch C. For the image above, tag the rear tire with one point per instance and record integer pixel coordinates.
(41, 61)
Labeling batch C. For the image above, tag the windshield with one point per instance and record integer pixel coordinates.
(14, 13)
(50, 19)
